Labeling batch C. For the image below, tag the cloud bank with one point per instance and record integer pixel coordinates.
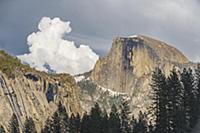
(50, 51)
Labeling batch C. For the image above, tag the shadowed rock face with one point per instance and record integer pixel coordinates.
(128, 66)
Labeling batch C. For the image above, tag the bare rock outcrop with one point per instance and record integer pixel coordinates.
(128, 67)
(30, 93)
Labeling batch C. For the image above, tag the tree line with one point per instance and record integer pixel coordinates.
(96, 121)
(176, 100)
(175, 109)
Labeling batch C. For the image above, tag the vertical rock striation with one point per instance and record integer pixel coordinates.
(128, 66)
(30, 93)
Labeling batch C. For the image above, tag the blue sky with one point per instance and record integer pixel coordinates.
(96, 23)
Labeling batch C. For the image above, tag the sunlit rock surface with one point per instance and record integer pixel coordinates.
(127, 68)
(30, 93)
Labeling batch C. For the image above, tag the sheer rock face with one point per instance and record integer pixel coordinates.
(35, 94)
(128, 66)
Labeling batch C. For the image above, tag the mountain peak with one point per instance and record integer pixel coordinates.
(163, 50)
(134, 57)
(127, 68)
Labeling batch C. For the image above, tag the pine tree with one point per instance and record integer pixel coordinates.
(14, 125)
(175, 103)
(85, 124)
(72, 124)
(114, 120)
(2, 130)
(125, 112)
(64, 123)
(58, 123)
(77, 123)
(141, 124)
(96, 119)
(29, 126)
(133, 124)
(197, 75)
(63, 118)
(160, 101)
(104, 123)
(189, 99)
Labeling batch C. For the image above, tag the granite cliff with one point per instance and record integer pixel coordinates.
(30, 93)
(123, 74)
(128, 67)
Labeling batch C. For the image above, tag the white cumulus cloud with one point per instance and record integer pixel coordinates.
(49, 50)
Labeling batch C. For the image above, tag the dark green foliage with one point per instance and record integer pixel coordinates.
(160, 100)
(114, 120)
(2, 130)
(180, 94)
(133, 124)
(189, 99)
(174, 102)
(125, 114)
(60, 119)
(72, 124)
(59, 122)
(77, 123)
(56, 123)
(52, 125)
(85, 124)
(96, 119)
(63, 118)
(104, 123)
(197, 101)
(29, 126)
(14, 125)
(140, 125)
(197, 71)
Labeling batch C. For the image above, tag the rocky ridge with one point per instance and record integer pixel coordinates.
(127, 68)
(30, 93)
(123, 74)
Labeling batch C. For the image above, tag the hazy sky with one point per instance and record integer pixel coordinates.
(97, 22)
